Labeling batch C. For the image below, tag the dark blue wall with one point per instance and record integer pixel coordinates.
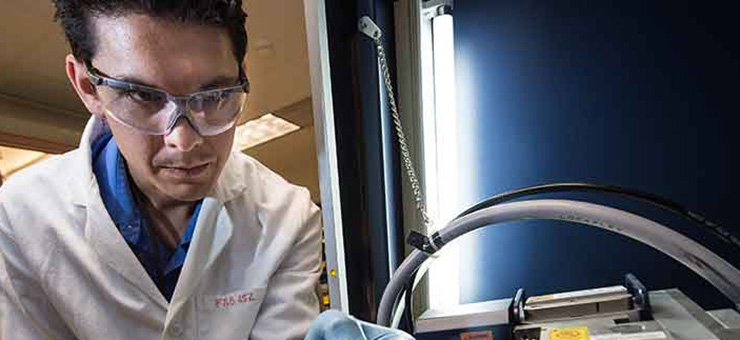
(638, 94)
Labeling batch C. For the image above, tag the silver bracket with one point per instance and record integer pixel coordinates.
(369, 28)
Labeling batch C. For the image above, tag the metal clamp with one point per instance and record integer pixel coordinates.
(369, 28)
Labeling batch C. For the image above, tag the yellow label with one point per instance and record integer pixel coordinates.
(541, 298)
(570, 333)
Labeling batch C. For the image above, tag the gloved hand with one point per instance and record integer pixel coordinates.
(335, 325)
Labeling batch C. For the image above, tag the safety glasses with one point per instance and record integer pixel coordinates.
(153, 111)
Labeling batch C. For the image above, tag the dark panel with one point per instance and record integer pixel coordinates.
(368, 164)
(638, 94)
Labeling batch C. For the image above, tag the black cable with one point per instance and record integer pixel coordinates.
(409, 301)
(653, 199)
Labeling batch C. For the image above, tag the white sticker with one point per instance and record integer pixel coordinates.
(610, 336)
(643, 336)
(630, 336)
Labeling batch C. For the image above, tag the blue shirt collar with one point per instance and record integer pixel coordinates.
(110, 170)
(111, 173)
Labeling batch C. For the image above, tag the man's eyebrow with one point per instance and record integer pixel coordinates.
(137, 81)
(220, 81)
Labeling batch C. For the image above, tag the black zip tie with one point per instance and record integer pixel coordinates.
(428, 244)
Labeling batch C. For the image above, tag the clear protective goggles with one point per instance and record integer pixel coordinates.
(155, 112)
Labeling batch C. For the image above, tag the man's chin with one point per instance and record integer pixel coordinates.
(187, 192)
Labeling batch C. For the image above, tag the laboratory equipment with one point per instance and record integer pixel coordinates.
(627, 312)
(622, 312)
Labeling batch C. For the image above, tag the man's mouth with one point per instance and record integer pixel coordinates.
(186, 171)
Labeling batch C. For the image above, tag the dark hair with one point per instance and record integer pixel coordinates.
(75, 16)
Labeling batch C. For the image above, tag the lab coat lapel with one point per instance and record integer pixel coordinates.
(100, 231)
(113, 250)
(213, 231)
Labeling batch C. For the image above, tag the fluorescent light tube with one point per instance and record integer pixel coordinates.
(262, 130)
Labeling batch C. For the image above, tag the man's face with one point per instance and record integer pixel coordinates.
(180, 59)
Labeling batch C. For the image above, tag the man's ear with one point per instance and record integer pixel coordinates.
(77, 74)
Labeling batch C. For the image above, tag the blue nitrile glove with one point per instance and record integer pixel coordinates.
(335, 325)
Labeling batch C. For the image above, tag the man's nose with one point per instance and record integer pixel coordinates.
(183, 136)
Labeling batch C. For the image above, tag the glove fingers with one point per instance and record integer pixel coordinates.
(375, 332)
(334, 325)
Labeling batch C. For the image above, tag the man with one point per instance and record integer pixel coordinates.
(152, 228)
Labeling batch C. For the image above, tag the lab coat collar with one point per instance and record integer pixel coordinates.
(212, 235)
(212, 232)
(81, 185)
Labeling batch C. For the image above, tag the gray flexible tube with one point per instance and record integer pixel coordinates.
(718, 272)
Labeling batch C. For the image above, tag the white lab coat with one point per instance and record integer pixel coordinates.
(67, 273)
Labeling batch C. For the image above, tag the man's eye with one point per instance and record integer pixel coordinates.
(210, 101)
(144, 96)
(214, 98)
